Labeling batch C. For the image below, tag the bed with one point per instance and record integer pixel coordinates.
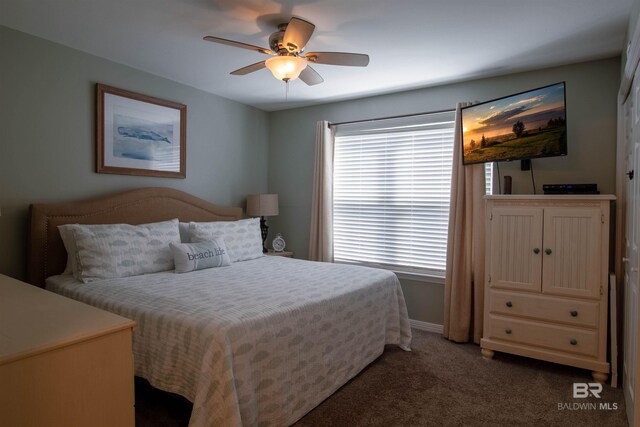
(257, 343)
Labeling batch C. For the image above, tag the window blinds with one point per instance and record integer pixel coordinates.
(391, 192)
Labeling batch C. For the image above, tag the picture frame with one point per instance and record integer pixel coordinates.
(139, 134)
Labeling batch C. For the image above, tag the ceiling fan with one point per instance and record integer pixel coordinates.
(288, 59)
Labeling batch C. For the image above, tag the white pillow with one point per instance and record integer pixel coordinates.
(69, 242)
(120, 250)
(197, 256)
(242, 237)
(184, 232)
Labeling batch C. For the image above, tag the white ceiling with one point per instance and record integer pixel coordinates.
(411, 43)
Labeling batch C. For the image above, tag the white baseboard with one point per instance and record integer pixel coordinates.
(425, 326)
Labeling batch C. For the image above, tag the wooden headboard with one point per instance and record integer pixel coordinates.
(47, 255)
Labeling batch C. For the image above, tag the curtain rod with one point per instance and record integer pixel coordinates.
(392, 117)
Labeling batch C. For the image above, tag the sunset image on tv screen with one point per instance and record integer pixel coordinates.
(527, 125)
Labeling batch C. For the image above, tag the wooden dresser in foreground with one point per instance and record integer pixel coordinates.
(547, 265)
(62, 362)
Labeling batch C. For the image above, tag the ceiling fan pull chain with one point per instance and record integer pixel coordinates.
(286, 91)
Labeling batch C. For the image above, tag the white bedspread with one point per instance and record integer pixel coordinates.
(258, 343)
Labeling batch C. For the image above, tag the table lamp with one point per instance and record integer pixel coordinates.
(263, 205)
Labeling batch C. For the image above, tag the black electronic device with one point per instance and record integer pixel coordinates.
(570, 189)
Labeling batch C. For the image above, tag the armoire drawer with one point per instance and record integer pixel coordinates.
(555, 337)
(554, 309)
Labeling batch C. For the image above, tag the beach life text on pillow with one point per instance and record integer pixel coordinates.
(197, 256)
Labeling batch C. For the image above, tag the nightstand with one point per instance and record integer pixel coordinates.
(286, 254)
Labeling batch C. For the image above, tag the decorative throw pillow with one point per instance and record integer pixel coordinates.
(242, 237)
(121, 250)
(197, 256)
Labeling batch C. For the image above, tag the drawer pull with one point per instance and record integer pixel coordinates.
(548, 251)
(508, 330)
(574, 313)
(573, 341)
(509, 304)
(536, 250)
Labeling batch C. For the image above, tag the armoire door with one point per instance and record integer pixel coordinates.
(516, 248)
(572, 252)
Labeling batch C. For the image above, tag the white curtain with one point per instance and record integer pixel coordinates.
(464, 281)
(321, 230)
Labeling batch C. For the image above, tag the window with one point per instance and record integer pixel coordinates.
(392, 182)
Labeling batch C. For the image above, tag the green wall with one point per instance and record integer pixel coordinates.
(591, 120)
(47, 143)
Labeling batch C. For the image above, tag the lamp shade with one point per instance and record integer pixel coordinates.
(262, 205)
(286, 67)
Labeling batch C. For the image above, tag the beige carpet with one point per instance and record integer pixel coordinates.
(439, 383)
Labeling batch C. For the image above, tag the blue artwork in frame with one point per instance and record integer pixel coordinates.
(139, 134)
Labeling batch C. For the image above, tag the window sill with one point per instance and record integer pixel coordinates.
(419, 277)
(424, 277)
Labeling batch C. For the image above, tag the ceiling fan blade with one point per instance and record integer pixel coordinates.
(297, 34)
(338, 58)
(249, 69)
(310, 76)
(238, 44)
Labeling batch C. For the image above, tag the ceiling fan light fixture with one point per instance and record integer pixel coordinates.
(286, 68)
(290, 59)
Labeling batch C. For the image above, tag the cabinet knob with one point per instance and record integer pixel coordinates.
(548, 251)
(508, 330)
(509, 304)
(573, 341)
(536, 250)
(574, 313)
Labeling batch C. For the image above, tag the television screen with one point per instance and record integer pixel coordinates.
(523, 126)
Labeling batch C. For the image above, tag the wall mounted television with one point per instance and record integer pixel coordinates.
(523, 126)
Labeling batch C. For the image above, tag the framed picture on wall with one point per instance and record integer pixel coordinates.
(139, 134)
